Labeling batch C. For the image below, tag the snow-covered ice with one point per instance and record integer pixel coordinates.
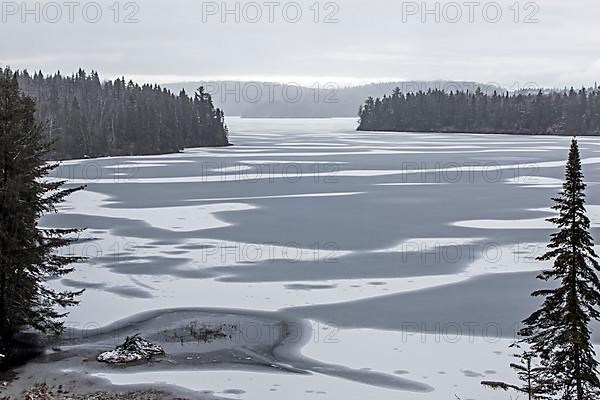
(398, 231)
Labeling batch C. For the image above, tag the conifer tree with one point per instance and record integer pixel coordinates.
(559, 331)
(29, 255)
(535, 382)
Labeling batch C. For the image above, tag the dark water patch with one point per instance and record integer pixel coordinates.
(353, 266)
(176, 252)
(130, 292)
(299, 286)
(93, 222)
(194, 246)
(472, 374)
(496, 303)
(82, 285)
(123, 290)
(153, 265)
(237, 392)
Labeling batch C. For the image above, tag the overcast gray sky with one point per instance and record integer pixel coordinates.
(549, 42)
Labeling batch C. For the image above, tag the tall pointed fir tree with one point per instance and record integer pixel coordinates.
(559, 331)
(29, 255)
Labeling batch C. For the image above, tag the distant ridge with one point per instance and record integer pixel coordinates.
(256, 99)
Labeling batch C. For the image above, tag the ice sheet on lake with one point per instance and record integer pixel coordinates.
(173, 263)
(171, 218)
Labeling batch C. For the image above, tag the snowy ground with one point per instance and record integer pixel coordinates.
(410, 255)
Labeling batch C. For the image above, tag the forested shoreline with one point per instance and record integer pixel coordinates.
(568, 112)
(86, 117)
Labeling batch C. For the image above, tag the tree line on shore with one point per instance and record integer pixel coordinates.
(568, 112)
(86, 117)
(558, 359)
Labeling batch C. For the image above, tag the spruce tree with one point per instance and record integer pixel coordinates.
(29, 255)
(535, 382)
(559, 331)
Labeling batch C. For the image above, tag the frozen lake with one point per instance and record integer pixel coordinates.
(410, 255)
